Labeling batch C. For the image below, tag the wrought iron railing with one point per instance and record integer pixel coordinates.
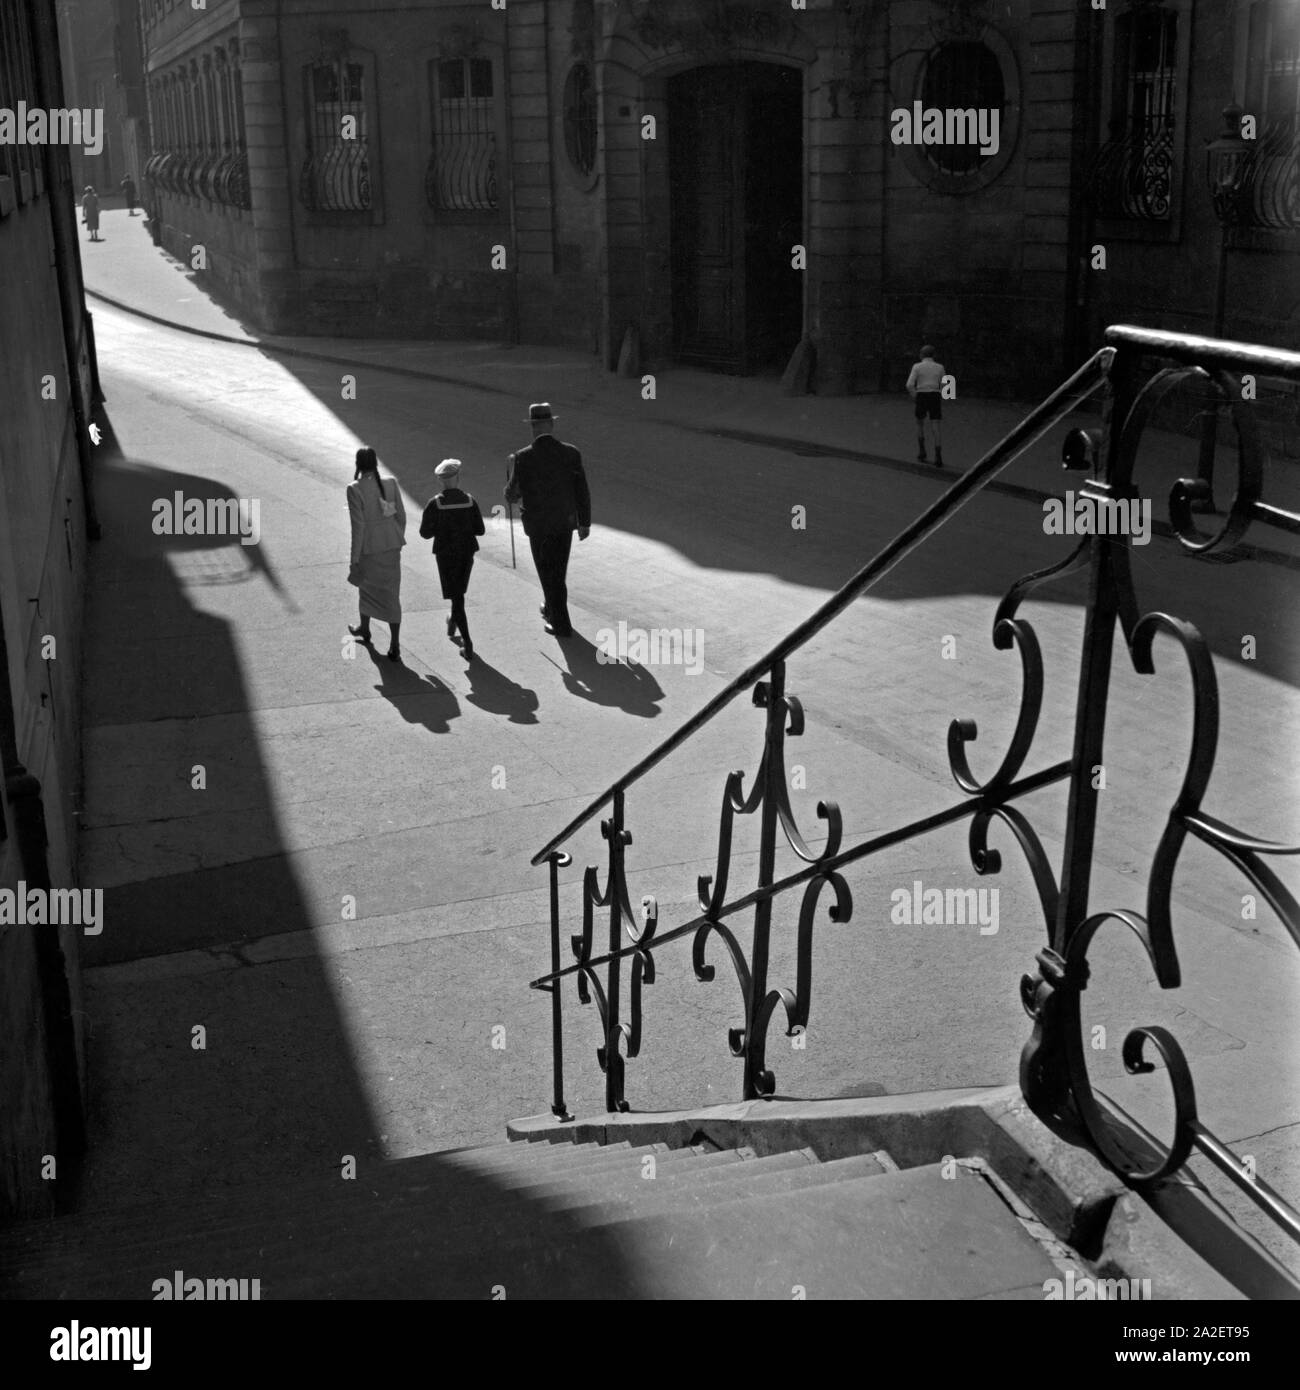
(1134, 173)
(220, 178)
(1053, 1073)
(337, 179)
(1269, 196)
(461, 175)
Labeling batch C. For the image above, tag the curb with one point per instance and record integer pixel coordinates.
(806, 448)
(286, 350)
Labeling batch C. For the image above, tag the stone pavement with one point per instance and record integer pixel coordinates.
(371, 1033)
(127, 270)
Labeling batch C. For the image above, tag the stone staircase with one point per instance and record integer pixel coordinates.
(560, 1220)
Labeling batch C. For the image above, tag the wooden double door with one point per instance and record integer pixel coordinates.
(736, 189)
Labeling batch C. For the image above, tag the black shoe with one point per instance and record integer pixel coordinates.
(467, 651)
(361, 634)
(560, 632)
(394, 653)
(938, 458)
(921, 458)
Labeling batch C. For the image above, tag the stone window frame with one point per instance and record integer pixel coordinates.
(912, 78)
(584, 180)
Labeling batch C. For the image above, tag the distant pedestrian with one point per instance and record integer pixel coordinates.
(925, 386)
(378, 535)
(548, 478)
(90, 211)
(128, 192)
(453, 521)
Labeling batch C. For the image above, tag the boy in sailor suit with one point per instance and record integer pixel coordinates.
(453, 521)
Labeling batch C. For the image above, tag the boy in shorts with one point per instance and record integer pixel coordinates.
(924, 384)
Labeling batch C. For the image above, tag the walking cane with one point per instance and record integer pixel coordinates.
(510, 512)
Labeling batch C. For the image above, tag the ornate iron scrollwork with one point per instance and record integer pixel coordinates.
(621, 919)
(1134, 174)
(771, 794)
(1054, 1071)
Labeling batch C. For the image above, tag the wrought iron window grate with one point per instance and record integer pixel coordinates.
(336, 171)
(462, 171)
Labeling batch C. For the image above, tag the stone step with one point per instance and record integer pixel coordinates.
(897, 1235)
(411, 1189)
(683, 1196)
(243, 1205)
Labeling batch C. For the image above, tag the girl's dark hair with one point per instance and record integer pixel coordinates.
(367, 462)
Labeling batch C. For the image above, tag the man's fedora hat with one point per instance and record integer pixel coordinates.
(541, 411)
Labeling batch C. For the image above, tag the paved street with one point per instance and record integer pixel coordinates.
(419, 791)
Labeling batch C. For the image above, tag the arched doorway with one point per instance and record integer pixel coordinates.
(736, 190)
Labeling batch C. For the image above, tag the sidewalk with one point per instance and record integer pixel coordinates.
(346, 905)
(128, 271)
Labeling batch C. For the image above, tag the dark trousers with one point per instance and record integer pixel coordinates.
(551, 556)
(458, 619)
(453, 573)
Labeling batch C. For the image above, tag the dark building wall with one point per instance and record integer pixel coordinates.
(404, 265)
(1161, 273)
(982, 271)
(46, 368)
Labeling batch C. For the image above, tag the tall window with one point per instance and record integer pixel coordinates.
(1136, 166)
(580, 118)
(462, 173)
(336, 174)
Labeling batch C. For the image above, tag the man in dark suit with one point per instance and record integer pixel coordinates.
(548, 478)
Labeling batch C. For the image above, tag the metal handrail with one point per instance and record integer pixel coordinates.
(1054, 1075)
(1039, 420)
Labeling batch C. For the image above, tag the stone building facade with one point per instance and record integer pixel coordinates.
(708, 181)
(718, 182)
(1164, 75)
(46, 395)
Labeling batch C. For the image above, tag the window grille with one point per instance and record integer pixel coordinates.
(336, 172)
(1135, 167)
(1270, 194)
(462, 172)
